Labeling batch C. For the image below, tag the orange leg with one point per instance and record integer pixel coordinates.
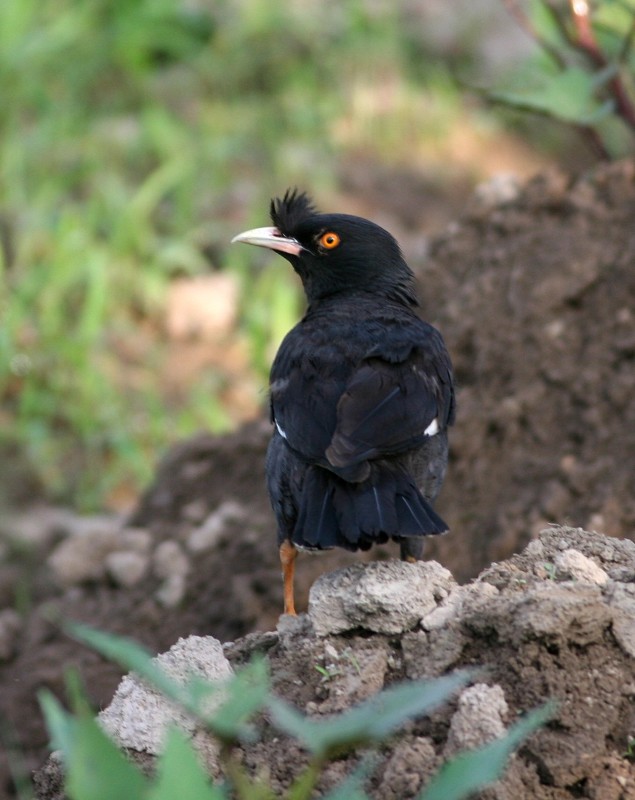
(288, 555)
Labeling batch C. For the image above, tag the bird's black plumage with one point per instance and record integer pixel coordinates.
(361, 390)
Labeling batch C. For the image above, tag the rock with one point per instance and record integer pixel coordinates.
(622, 602)
(126, 568)
(478, 719)
(82, 557)
(172, 565)
(384, 596)
(452, 606)
(535, 639)
(212, 530)
(571, 611)
(573, 564)
(38, 527)
(139, 716)
(404, 772)
(427, 655)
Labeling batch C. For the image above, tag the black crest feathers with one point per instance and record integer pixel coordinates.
(287, 213)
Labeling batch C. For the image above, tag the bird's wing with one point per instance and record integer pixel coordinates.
(388, 408)
(304, 408)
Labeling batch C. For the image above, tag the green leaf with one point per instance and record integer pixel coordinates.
(95, 767)
(351, 788)
(180, 775)
(61, 726)
(469, 772)
(131, 656)
(373, 720)
(244, 695)
(570, 96)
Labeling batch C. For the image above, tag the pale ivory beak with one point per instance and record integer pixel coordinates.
(271, 238)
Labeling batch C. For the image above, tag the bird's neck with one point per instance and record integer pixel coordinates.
(405, 299)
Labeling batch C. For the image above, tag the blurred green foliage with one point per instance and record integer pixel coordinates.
(131, 131)
(582, 72)
(136, 137)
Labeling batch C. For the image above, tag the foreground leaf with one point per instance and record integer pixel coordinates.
(371, 721)
(129, 655)
(95, 767)
(180, 775)
(243, 695)
(469, 772)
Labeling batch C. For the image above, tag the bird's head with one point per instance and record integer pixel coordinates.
(334, 253)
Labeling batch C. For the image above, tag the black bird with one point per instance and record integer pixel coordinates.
(361, 393)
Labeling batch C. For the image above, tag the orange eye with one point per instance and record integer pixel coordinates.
(329, 240)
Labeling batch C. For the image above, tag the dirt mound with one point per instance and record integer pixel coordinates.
(555, 623)
(534, 291)
(536, 299)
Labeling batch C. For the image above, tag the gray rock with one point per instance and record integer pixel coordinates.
(138, 717)
(450, 609)
(171, 564)
(82, 557)
(478, 719)
(384, 596)
(622, 603)
(428, 655)
(573, 564)
(212, 531)
(567, 612)
(127, 568)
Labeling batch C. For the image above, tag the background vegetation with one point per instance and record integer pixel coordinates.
(137, 136)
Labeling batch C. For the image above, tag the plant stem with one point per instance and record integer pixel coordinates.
(586, 42)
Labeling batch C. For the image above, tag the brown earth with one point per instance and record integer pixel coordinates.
(535, 296)
(556, 622)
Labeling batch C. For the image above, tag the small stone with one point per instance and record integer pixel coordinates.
(212, 531)
(573, 611)
(172, 565)
(137, 539)
(478, 719)
(126, 568)
(172, 591)
(427, 655)
(169, 560)
(81, 557)
(573, 564)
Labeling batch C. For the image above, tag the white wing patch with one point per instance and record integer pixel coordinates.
(281, 432)
(431, 430)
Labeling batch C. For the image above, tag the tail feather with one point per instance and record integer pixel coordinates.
(336, 513)
(317, 525)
